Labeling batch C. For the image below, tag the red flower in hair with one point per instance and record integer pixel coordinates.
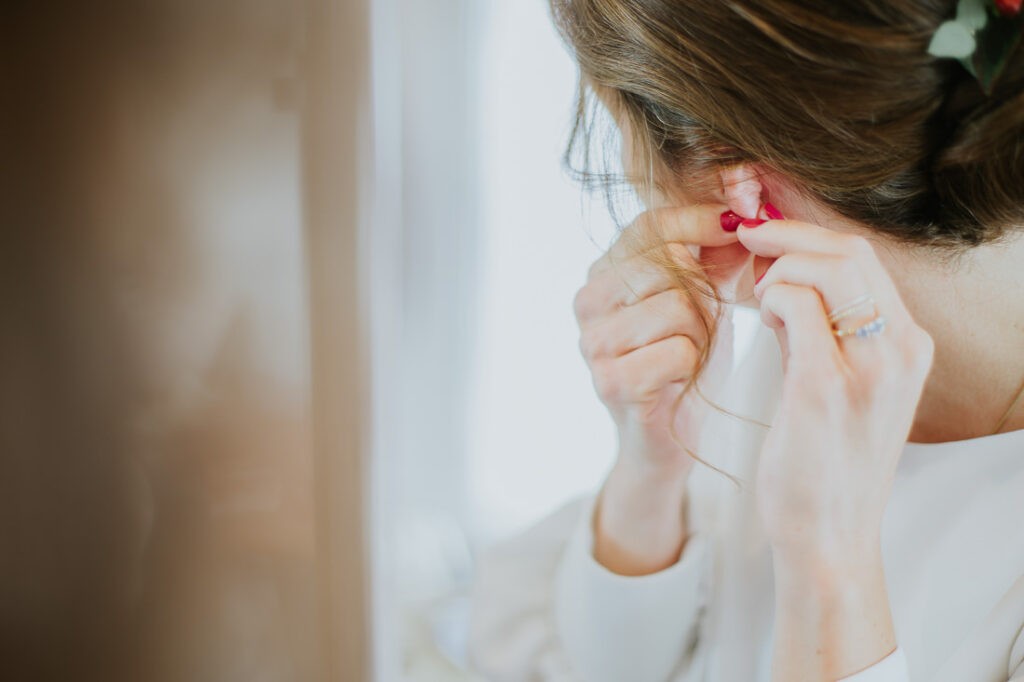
(1008, 8)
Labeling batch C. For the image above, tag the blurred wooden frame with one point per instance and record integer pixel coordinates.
(150, 487)
(336, 167)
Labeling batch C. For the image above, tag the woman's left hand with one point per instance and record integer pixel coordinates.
(848, 403)
(828, 462)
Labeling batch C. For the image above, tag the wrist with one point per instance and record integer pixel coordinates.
(640, 481)
(844, 559)
(814, 548)
(640, 520)
(827, 575)
(832, 613)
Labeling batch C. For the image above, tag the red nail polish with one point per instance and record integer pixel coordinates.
(730, 221)
(773, 213)
(753, 222)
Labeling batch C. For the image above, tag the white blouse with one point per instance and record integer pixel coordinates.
(952, 542)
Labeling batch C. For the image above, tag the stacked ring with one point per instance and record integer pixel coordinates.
(850, 308)
(873, 327)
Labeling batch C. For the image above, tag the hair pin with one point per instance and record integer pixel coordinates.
(983, 36)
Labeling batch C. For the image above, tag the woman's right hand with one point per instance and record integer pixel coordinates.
(642, 339)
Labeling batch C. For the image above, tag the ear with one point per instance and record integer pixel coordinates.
(741, 189)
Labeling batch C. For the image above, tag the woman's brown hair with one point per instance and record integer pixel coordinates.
(840, 97)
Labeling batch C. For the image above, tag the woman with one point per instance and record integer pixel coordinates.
(860, 515)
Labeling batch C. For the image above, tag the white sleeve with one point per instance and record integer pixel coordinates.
(512, 636)
(892, 668)
(544, 609)
(619, 628)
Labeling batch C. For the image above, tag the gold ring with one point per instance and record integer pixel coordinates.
(873, 327)
(845, 311)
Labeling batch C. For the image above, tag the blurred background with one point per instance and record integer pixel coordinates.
(287, 332)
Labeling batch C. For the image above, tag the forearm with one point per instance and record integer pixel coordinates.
(640, 523)
(832, 617)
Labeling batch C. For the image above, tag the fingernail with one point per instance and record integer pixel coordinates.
(752, 222)
(773, 213)
(730, 221)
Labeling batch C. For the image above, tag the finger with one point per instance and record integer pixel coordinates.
(628, 283)
(777, 238)
(837, 279)
(697, 225)
(641, 374)
(658, 317)
(801, 311)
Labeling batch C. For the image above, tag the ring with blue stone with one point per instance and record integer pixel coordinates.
(871, 328)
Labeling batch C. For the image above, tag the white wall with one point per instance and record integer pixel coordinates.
(537, 433)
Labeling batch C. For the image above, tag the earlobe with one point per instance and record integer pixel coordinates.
(741, 190)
